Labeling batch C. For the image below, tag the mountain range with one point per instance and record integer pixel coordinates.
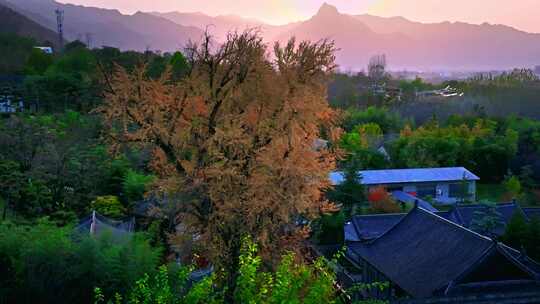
(407, 44)
(12, 22)
(139, 31)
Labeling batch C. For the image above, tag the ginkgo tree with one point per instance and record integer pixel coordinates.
(233, 141)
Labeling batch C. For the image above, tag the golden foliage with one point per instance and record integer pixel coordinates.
(234, 138)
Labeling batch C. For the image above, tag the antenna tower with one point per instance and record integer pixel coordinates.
(60, 24)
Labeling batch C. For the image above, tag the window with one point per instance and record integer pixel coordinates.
(426, 190)
(458, 190)
(394, 188)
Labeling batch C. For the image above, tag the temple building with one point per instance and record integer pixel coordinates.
(424, 254)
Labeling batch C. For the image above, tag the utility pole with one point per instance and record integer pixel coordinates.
(60, 26)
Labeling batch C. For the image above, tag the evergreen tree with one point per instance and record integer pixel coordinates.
(516, 230)
(487, 220)
(350, 193)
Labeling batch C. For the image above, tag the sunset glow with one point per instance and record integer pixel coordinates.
(521, 14)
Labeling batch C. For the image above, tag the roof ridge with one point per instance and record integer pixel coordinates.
(455, 225)
(503, 249)
(425, 168)
(471, 267)
(379, 214)
(391, 228)
(480, 205)
(436, 217)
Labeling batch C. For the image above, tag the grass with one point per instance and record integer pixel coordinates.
(489, 192)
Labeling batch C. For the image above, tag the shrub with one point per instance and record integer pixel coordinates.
(513, 188)
(331, 229)
(380, 201)
(291, 282)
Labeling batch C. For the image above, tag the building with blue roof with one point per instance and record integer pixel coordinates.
(443, 185)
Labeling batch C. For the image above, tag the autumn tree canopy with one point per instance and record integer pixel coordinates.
(233, 139)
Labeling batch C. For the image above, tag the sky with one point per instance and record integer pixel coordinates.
(521, 14)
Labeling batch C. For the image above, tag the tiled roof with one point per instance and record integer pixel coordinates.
(424, 252)
(372, 226)
(368, 227)
(532, 212)
(421, 175)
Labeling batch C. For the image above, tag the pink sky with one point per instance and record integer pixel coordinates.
(522, 14)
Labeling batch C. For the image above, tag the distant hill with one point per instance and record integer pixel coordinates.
(12, 22)
(109, 27)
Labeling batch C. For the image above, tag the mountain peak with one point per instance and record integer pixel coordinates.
(327, 10)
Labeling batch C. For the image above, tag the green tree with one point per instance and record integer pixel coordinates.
(512, 185)
(135, 185)
(487, 220)
(388, 121)
(109, 206)
(62, 163)
(11, 183)
(330, 228)
(361, 145)
(479, 146)
(38, 62)
(15, 52)
(157, 66)
(516, 231)
(350, 193)
(179, 65)
(69, 83)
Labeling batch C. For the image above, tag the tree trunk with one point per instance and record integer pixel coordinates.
(231, 272)
(4, 216)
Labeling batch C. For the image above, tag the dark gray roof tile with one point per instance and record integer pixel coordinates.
(423, 252)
